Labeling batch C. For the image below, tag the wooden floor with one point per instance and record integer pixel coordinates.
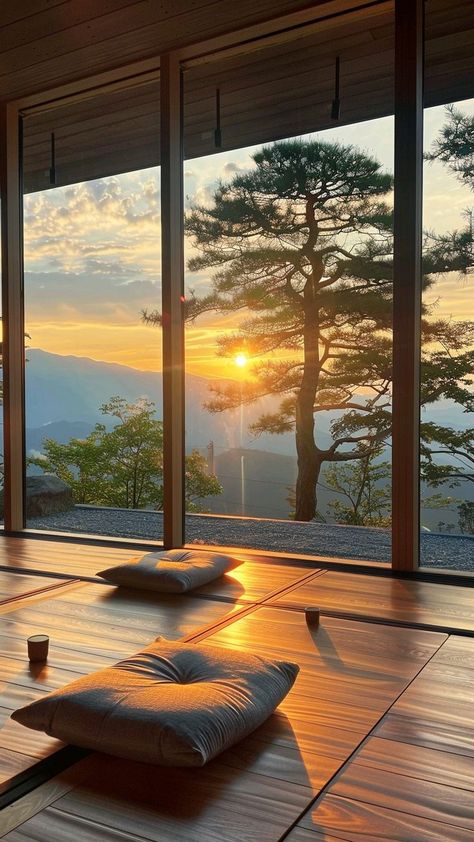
(386, 599)
(374, 742)
(67, 560)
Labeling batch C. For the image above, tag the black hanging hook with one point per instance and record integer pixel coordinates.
(336, 103)
(217, 131)
(52, 169)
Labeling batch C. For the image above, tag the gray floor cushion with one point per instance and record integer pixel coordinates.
(173, 704)
(171, 571)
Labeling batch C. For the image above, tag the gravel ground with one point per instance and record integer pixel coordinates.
(449, 551)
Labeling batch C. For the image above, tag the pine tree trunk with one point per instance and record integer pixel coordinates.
(309, 457)
(306, 498)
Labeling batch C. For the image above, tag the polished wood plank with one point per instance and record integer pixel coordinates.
(414, 761)
(429, 730)
(310, 735)
(413, 777)
(90, 626)
(351, 673)
(301, 834)
(354, 821)
(55, 826)
(283, 763)
(14, 585)
(41, 797)
(15, 737)
(106, 619)
(420, 797)
(12, 764)
(435, 712)
(253, 581)
(354, 658)
(162, 804)
(400, 600)
(71, 559)
(351, 648)
(260, 787)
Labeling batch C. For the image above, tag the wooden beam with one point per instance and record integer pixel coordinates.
(172, 273)
(407, 282)
(13, 319)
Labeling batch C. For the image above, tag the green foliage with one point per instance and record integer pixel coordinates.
(302, 245)
(437, 501)
(123, 467)
(466, 517)
(455, 145)
(454, 447)
(364, 486)
(448, 454)
(199, 483)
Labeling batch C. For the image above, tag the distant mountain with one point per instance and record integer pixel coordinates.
(65, 390)
(71, 389)
(64, 393)
(255, 483)
(61, 431)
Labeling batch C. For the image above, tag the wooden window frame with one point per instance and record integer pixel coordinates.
(407, 258)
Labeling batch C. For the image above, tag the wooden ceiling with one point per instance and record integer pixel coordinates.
(44, 43)
(271, 92)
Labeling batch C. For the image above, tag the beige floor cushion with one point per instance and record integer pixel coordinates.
(173, 704)
(171, 571)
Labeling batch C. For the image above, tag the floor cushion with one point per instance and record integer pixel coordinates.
(173, 704)
(171, 571)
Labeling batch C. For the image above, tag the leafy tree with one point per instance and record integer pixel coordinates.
(444, 442)
(454, 145)
(198, 482)
(365, 488)
(302, 245)
(448, 454)
(122, 467)
(466, 517)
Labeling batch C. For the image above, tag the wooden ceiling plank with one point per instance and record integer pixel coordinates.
(57, 19)
(146, 41)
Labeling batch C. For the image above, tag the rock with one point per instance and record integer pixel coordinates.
(45, 495)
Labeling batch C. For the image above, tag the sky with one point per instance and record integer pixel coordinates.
(92, 255)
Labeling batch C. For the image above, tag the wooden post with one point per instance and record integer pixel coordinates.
(173, 298)
(13, 348)
(407, 282)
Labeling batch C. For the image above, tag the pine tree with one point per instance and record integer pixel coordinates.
(301, 245)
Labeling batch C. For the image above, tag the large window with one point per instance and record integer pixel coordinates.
(447, 394)
(288, 186)
(2, 462)
(94, 441)
(297, 350)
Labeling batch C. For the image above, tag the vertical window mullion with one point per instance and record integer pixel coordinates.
(407, 281)
(173, 298)
(13, 348)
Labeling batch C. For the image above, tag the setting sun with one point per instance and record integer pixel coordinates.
(241, 360)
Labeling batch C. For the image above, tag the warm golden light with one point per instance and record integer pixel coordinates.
(241, 360)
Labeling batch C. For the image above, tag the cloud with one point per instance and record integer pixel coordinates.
(232, 167)
(81, 297)
(104, 227)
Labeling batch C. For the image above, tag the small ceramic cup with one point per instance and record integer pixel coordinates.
(312, 617)
(38, 645)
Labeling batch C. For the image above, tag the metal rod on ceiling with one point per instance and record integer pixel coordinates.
(52, 169)
(336, 103)
(217, 131)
